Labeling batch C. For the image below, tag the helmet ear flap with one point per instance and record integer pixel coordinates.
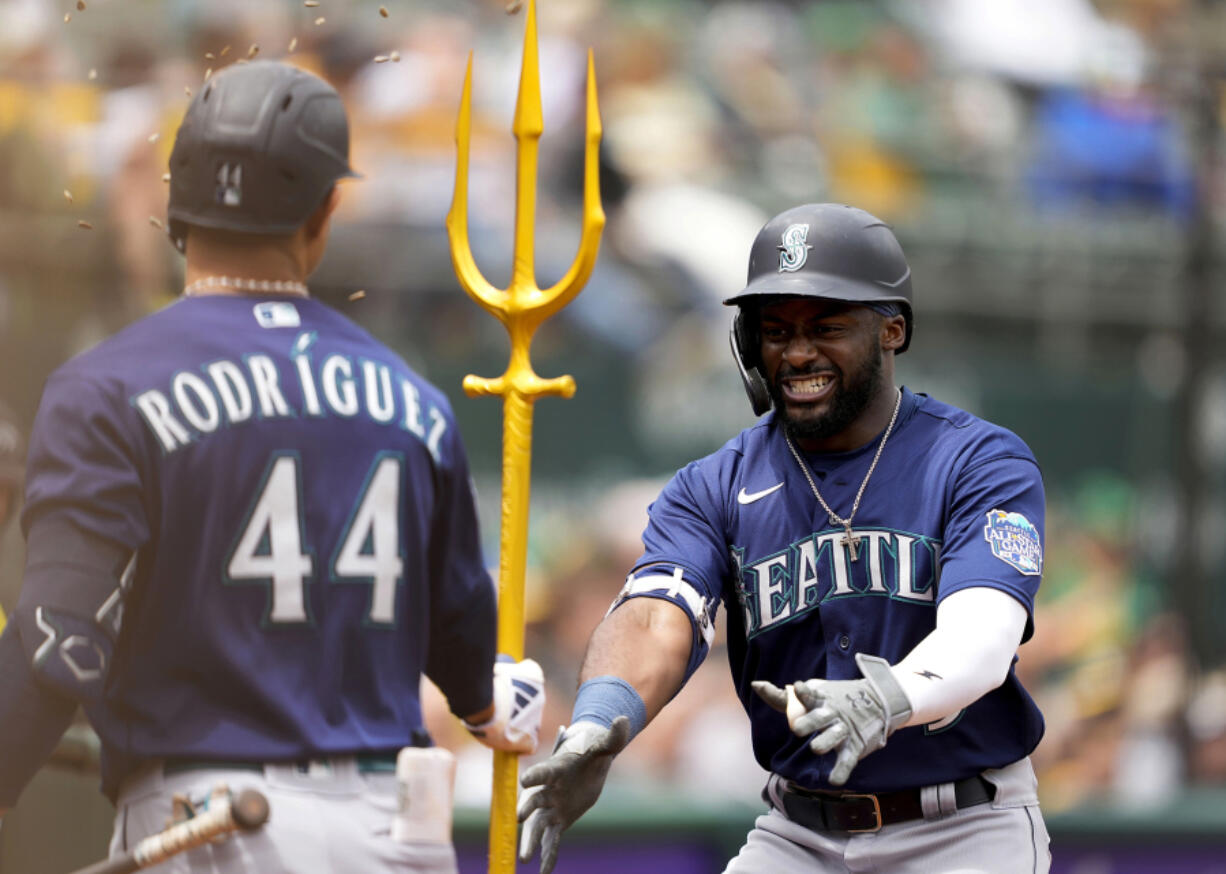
(744, 341)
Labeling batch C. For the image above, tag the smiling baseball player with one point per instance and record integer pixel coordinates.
(878, 553)
(251, 530)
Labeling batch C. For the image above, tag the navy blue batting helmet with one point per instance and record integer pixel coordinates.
(259, 149)
(826, 250)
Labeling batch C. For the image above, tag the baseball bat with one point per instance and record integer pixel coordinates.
(247, 812)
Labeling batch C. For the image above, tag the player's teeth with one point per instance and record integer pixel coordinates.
(813, 385)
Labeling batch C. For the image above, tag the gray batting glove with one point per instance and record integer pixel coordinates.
(853, 716)
(560, 789)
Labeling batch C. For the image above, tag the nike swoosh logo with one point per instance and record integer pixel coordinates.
(746, 498)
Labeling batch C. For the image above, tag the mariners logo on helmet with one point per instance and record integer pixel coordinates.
(793, 250)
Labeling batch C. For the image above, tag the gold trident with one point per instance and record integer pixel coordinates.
(521, 308)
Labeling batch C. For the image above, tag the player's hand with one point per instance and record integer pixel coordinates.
(852, 716)
(519, 703)
(560, 789)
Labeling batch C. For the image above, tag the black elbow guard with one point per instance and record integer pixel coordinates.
(66, 652)
(69, 611)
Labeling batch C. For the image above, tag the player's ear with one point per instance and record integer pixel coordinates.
(318, 220)
(893, 332)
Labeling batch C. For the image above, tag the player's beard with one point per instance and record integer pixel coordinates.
(851, 398)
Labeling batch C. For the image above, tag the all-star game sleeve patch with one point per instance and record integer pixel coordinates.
(1014, 541)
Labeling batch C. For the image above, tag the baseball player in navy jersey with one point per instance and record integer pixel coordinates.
(877, 553)
(251, 531)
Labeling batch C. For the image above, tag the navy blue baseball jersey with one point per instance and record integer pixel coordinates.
(299, 511)
(954, 502)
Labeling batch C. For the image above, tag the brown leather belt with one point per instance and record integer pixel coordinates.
(853, 812)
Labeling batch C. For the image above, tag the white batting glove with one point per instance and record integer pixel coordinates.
(560, 789)
(519, 704)
(853, 716)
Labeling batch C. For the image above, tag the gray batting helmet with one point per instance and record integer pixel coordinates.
(260, 147)
(826, 250)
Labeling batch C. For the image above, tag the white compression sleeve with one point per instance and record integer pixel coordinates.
(966, 656)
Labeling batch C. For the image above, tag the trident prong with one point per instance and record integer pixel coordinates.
(521, 308)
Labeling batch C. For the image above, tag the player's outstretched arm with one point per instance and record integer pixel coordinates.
(635, 662)
(645, 642)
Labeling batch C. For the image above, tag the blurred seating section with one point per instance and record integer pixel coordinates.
(1054, 170)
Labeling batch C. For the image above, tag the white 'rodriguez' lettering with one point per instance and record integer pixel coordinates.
(232, 388)
(339, 390)
(194, 405)
(153, 405)
(201, 412)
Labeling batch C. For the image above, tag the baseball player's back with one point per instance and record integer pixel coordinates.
(276, 472)
(251, 530)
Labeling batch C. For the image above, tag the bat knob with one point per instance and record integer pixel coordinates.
(249, 810)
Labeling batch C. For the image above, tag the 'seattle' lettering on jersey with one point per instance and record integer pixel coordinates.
(955, 502)
(302, 514)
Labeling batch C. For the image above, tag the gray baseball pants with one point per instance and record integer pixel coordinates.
(1003, 836)
(326, 817)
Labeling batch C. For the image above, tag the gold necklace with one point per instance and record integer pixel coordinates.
(850, 540)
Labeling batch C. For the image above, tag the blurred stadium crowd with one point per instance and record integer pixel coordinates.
(958, 120)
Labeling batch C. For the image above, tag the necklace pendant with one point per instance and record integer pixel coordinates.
(852, 542)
